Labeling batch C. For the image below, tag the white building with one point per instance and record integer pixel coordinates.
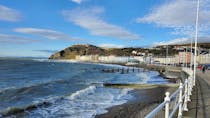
(203, 59)
(113, 59)
(169, 60)
(139, 58)
(93, 58)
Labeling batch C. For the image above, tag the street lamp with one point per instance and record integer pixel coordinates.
(191, 56)
(196, 40)
(167, 54)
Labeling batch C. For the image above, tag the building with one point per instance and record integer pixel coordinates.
(113, 59)
(139, 58)
(170, 60)
(203, 59)
(92, 58)
(184, 57)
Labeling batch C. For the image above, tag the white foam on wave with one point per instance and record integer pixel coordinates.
(151, 77)
(123, 92)
(111, 65)
(6, 88)
(77, 61)
(83, 91)
(85, 103)
(144, 77)
(58, 60)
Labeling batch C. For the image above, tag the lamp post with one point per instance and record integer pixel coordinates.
(196, 40)
(185, 57)
(191, 56)
(167, 54)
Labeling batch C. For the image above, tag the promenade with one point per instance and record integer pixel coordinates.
(199, 107)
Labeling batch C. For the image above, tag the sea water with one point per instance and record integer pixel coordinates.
(69, 88)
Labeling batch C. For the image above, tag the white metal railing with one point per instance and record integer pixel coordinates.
(179, 98)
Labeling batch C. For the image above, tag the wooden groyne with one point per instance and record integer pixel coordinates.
(165, 71)
(123, 70)
(173, 74)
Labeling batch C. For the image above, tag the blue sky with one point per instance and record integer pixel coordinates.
(41, 27)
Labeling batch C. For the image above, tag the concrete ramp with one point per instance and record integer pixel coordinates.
(139, 86)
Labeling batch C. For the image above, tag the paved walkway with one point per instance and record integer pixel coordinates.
(199, 107)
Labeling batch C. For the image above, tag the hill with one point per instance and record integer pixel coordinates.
(72, 51)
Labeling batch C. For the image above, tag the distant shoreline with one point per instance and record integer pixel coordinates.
(149, 67)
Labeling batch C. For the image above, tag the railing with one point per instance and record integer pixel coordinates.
(177, 100)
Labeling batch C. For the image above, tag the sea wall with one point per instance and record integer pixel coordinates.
(146, 97)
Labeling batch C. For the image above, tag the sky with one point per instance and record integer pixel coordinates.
(39, 28)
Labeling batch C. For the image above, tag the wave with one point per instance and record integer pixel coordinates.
(81, 62)
(144, 77)
(10, 111)
(123, 93)
(7, 88)
(87, 102)
(58, 60)
(4, 90)
(83, 91)
(111, 65)
(152, 77)
(46, 83)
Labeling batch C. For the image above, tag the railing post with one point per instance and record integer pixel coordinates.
(167, 99)
(180, 100)
(191, 81)
(194, 79)
(186, 95)
(189, 88)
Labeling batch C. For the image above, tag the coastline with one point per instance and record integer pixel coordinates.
(158, 68)
(167, 72)
(143, 102)
(145, 98)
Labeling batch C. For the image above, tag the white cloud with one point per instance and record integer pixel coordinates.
(204, 39)
(8, 14)
(6, 38)
(47, 51)
(106, 45)
(46, 33)
(77, 1)
(91, 20)
(180, 15)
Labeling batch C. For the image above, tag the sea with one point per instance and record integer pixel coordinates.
(42, 88)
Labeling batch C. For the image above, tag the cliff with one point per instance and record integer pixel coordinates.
(71, 52)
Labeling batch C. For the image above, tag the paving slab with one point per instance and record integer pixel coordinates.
(199, 106)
